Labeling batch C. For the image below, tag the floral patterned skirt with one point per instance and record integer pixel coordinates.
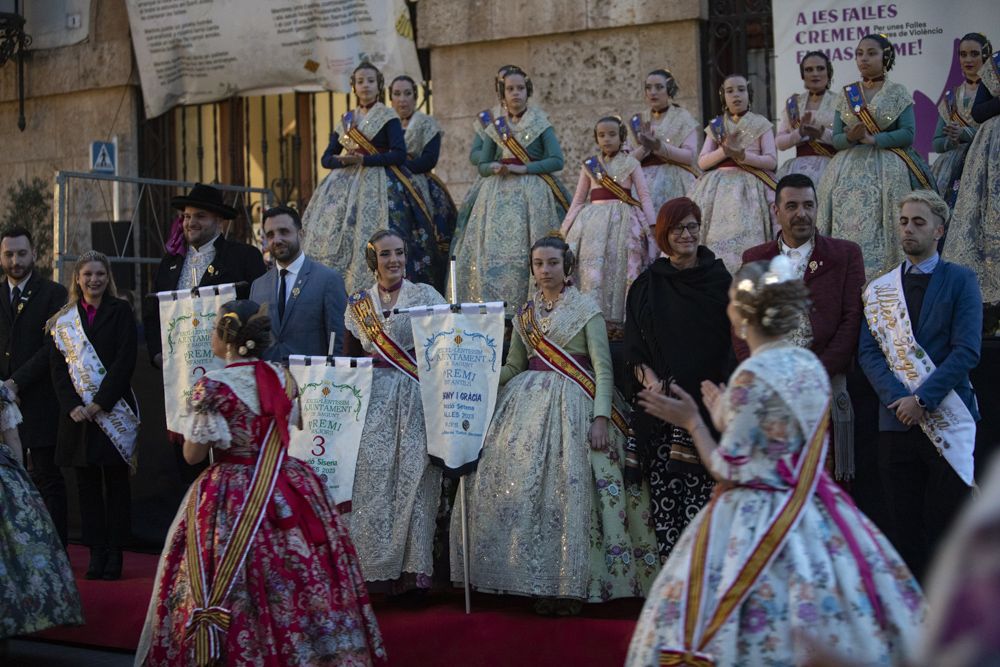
(548, 516)
(666, 182)
(735, 213)
(973, 238)
(298, 599)
(812, 166)
(37, 589)
(350, 205)
(612, 248)
(813, 585)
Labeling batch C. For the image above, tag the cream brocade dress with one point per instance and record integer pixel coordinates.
(548, 516)
(669, 181)
(859, 191)
(735, 205)
(812, 166)
(973, 238)
(396, 488)
(612, 240)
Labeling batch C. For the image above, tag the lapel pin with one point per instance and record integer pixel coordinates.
(211, 270)
(295, 292)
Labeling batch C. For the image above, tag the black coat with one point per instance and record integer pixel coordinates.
(234, 263)
(25, 356)
(113, 335)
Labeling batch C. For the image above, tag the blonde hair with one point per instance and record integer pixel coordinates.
(932, 200)
(75, 294)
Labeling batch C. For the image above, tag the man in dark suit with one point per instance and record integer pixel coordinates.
(209, 258)
(834, 272)
(306, 300)
(925, 484)
(27, 301)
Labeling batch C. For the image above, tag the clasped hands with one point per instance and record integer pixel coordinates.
(84, 413)
(908, 411)
(501, 169)
(678, 407)
(809, 131)
(859, 134)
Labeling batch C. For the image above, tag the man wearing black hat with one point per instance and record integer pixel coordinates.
(210, 259)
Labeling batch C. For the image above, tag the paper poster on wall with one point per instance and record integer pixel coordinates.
(193, 52)
(925, 33)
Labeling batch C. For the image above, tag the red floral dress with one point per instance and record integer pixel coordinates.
(299, 598)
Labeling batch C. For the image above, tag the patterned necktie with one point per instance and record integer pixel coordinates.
(282, 295)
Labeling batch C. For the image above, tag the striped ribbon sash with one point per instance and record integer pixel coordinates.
(718, 128)
(369, 149)
(210, 619)
(512, 144)
(366, 316)
(794, 120)
(597, 170)
(949, 109)
(562, 362)
(857, 101)
(697, 635)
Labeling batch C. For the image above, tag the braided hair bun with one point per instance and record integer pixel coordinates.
(774, 303)
(244, 324)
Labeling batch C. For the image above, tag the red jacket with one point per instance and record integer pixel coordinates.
(835, 276)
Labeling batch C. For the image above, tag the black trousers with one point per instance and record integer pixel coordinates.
(923, 494)
(105, 505)
(51, 485)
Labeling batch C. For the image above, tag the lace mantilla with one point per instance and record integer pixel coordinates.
(826, 111)
(746, 132)
(572, 312)
(530, 127)
(419, 132)
(619, 168)
(369, 126)
(674, 126)
(397, 327)
(885, 106)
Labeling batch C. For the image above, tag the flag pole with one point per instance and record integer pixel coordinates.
(452, 278)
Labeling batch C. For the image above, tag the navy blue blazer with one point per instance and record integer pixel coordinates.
(311, 312)
(950, 330)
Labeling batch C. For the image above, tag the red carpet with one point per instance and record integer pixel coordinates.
(501, 631)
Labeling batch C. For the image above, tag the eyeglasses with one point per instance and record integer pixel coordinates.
(691, 228)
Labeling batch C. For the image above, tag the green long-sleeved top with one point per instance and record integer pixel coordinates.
(943, 144)
(899, 135)
(545, 153)
(592, 342)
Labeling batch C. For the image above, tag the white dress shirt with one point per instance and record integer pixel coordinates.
(798, 256)
(196, 262)
(293, 274)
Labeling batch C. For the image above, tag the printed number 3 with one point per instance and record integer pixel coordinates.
(320, 446)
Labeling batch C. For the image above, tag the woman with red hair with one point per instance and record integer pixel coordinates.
(676, 329)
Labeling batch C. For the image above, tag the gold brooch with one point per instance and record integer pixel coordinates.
(20, 307)
(812, 265)
(211, 270)
(295, 292)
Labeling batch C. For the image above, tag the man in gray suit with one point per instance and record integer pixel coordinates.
(306, 300)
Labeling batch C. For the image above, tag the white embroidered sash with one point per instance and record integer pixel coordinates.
(120, 424)
(950, 428)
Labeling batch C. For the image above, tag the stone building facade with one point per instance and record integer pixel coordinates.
(586, 59)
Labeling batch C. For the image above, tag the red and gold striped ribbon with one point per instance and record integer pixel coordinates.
(521, 154)
(562, 362)
(612, 186)
(362, 141)
(366, 316)
(872, 126)
(210, 620)
(764, 552)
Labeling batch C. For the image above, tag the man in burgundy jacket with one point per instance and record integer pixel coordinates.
(834, 271)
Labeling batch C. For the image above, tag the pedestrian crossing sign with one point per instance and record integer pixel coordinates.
(102, 157)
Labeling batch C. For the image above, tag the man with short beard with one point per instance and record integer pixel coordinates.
(27, 301)
(834, 272)
(922, 339)
(305, 299)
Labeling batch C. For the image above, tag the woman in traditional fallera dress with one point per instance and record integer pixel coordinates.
(667, 138)
(736, 191)
(875, 164)
(96, 331)
(807, 120)
(549, 512)
(257, 568)
(611, 233)
(423, 148)
(676, 325)
(781, 549)
(956, 128)
(519, 200)
(396, 488)
(38, 590)
(973, 238)
(369, 187)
